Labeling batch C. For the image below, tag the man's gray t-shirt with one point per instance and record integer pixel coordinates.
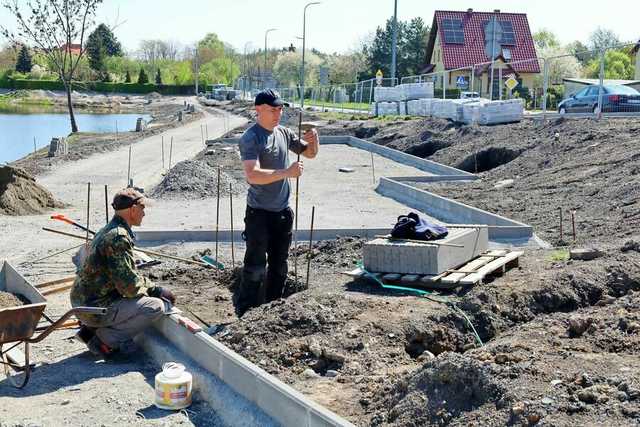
(271, 149)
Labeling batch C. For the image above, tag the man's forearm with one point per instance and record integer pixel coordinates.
(260, 176)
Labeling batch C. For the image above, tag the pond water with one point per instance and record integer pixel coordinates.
(18, 130)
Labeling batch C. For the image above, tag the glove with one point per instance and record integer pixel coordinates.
(160, 292)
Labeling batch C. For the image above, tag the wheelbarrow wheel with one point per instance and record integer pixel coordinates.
(17, 375)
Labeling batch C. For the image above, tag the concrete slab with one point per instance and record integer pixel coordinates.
(389, 256)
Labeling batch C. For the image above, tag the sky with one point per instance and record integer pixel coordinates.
(338, 25)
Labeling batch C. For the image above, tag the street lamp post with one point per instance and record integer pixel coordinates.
(264, 72)
(244, 72)
(304, 28)
(394, 41)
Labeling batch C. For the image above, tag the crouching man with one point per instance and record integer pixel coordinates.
(108, 278)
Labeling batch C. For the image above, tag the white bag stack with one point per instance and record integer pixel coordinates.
(417, 90)
(387, 108)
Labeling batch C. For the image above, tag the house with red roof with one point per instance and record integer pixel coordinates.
(73, 48)
(464, 44)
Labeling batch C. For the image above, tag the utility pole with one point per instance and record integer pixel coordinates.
(304, 35)
(394, 41)
(197, 69)
(264, 72)
(493, 55)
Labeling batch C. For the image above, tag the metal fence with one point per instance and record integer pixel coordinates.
(577, 83)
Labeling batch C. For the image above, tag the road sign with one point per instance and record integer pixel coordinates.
(511, 83)
(462, 82)
(379, 77)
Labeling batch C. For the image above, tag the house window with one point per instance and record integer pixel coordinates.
(506, 54)
(453, 32)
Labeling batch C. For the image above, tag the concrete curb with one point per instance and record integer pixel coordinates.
(149, 237)
(450, 211)
(236, 377)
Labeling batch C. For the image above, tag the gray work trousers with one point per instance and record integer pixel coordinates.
(126, 318)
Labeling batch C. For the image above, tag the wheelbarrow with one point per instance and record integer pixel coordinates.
(17, 326)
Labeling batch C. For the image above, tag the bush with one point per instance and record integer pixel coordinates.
(108, 87)
(142, 77)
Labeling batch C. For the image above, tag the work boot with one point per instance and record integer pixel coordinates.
(98, 348)
(84, 334)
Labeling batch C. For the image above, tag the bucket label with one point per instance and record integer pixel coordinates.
(172, 393)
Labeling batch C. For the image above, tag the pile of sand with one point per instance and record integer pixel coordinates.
(21, 195)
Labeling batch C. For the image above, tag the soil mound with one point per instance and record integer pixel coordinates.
(192, 179)
(21, 195)
(440, 391)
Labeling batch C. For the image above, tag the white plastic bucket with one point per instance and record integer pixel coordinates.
(173, 387)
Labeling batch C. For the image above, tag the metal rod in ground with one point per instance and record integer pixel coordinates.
(88, 205)
(52, 255)
(373, 169)
(313, 212)
(573, 224)
(217, 213)
(233, 256)
(202, 134)
(561, 231)
(162, 152)
(106, 203)
(295, 234)
(170, 152)
(206, 130)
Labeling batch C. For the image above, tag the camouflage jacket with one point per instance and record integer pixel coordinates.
(109, 271)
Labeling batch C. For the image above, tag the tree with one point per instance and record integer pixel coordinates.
(561, 65)
(127, 77)
(101, 43)
(158, 77)
(288, 67)
(580, 51)
(545, 39)
(411, 48)
(602, 39)
(617, 66)
(23, 64)
(143, 79)
(54, 26)
(346, 67)
(210, 48)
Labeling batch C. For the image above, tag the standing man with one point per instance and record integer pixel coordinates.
(264, 149)
(108, 278)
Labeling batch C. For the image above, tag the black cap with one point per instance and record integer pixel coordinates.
(126, 198)
(270, 97)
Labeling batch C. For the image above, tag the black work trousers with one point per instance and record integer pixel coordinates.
(268, 238)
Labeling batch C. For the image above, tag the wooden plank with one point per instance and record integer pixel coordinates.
(496, 253)
(57, 290)
(490, 267)
(55, 282)
(453, 278)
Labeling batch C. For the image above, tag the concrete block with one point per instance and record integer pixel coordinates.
(585, 254)
(382, 255)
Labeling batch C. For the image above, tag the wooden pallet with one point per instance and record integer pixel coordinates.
(494, 263)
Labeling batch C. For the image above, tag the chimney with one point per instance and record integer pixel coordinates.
(496, 10)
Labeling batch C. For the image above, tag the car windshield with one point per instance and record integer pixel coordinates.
(621, 90)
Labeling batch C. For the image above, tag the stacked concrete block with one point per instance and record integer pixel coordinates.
(393, 256)
(391, 108)
(497, 112)
(416, 90)
(58, 147)
(140, 124)
(419, 107)
(387, 94)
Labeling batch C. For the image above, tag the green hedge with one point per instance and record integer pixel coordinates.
(98, 86)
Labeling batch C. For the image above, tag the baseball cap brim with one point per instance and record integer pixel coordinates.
(278, 102)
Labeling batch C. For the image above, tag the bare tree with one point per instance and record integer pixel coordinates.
(57, 28)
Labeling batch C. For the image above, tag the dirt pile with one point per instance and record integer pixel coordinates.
(192, 179)
(21, 195)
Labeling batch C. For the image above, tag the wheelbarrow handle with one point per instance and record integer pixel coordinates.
(60, 321)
